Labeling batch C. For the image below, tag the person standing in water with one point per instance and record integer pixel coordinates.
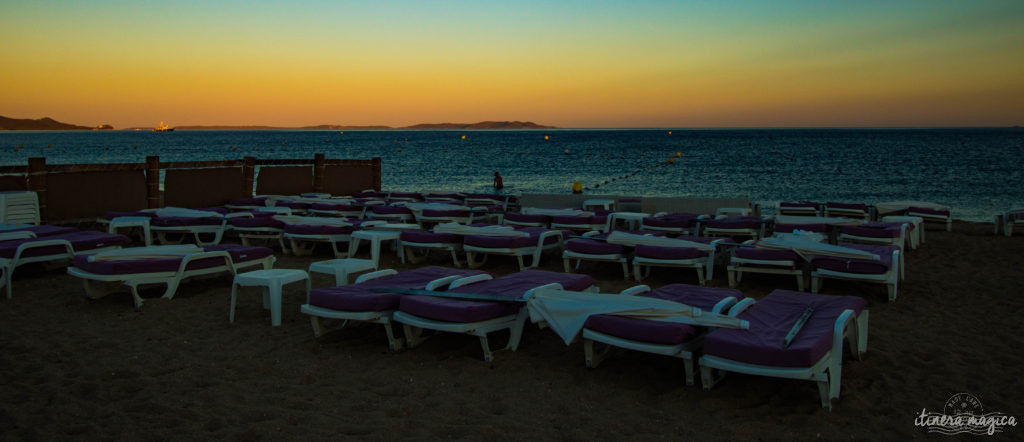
(498, 184)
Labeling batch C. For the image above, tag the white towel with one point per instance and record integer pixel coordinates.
(631, 239)
(148, 252)
(807, 247)
(460, 229)
(312, 220)
(555, 212)
(187, 213)
(831, 220)
(566, 312)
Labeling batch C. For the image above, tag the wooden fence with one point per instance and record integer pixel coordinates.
(70, 192)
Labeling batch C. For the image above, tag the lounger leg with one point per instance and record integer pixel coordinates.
(455, 259)
(136, 299)
(315, 321)
(245, 240)
(700, 276)
(410, 256)
(395, 344)
(413, 335)
(892, 291)
(823, 393)
(284, 249)
(816, 283)
(567, 265)
(800, 282)
(172, 287)
(637, 272)
(594, 359)
(516, 333)
(231, 309)
(488, 356)
(862, 333)
(625, 270)
(688, 368)
(732, 277)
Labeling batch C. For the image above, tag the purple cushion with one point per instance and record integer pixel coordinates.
(594, 247)
(789, 228)
(927, 211)
(183, 221)
(430, 237)
(512, 286)
(799, 205)
(771, 319)
(359, 298)
(853, 206)
(512, 242)
(872, 230)
(578, 220)
(391, 210)
(658, 252)
(239, 254)
(80, 241)
(258, 221)
(370, 194)
(305, 229)
(294, 205)
(413, 195)
(114, 214)
(447, 213)
(736, 222)
(524, 218)
(861, 266)
(43, 230)
(680, 220)
(767, 255)
(662, 332)
(262, 201)
(453, 196)
(336, 207)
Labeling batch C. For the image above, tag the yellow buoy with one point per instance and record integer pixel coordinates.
(567, 151)
(679, 154)
(670, 132)
(341, 131)
(233, 148)
(671, 160)
(577, 187)
(463, 137)
(545, 137)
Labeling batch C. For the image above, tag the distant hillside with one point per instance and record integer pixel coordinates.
(44, 123)
(482, 125)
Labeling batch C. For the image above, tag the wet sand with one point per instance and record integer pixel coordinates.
(73, 367)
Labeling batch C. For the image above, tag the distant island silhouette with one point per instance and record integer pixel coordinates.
(47, 123)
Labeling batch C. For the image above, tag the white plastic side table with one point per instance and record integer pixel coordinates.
(271, 280)
(342, 268)
(375, 237)
(123, 222)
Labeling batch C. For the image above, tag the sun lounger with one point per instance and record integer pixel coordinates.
(396, 214)
(168, 265)
(888, 269)
(595, 247)
(1011, 219)
(753, 260)
(533, 242)
(801, 208)
(356, 302)
(199, 223)
(588, 221)
(848, 210)
(342, 210)
(678, 223)
(304, 237)
(874, 232)
(752, 226)
(478, 318)
(694, 252)
(815, 354)
(22, 247)
(410, 241)
(264, 228)
(242, 204)
(404, 197)
(443, 197)
(526, 220)
(658, 337)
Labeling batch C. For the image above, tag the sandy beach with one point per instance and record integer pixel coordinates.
(73, 367)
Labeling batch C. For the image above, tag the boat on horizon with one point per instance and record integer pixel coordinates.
(163, 128)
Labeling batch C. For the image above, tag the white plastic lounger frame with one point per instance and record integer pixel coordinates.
(466, 220)
(890, 278)
(414, 325)
(171, 279)
(1010, 219)
(569, 255)
(755, 233)
(161, 232)
(410, 255)
(827, 372)
(600, 227)
(683, 351)
(931, 217)
(846, 212)
(536, 251)
(303, 244)
(704, 265)
(18, 259)
(385, 317)
(739, 265)
(798, 211)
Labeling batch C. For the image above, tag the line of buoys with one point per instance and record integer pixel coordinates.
(576, 186)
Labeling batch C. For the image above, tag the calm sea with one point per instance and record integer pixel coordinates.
(978, 172)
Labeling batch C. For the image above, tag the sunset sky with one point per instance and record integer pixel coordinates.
(567, 63)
